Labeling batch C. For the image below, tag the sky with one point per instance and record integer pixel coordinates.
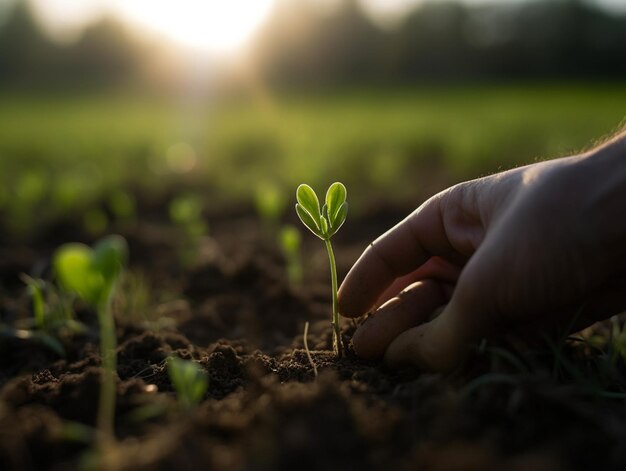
(214, 25)
(218, 25)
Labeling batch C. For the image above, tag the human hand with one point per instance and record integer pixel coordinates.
(534, 248)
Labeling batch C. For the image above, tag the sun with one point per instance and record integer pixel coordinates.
(217, 26)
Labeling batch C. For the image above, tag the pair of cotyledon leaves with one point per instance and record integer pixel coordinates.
(189, 380)
(91, 273)
(324, 222)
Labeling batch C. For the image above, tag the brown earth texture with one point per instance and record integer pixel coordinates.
(234, 312)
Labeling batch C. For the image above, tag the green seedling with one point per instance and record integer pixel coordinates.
(270, 204)
(123, 206)
(186, 213)
(95, 221)
(36, 289)
(29, 193)
(290, 244)
(53, 317)
(325, 223)
(189, 380)
(92, 274)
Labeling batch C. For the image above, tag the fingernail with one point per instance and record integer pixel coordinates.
(389, 305)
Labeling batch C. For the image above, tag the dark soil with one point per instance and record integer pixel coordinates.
(236, 315)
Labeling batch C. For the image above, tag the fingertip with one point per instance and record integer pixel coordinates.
(373, 336)
(409, 308)
(405, 350)
(431, 347)
(364, 349)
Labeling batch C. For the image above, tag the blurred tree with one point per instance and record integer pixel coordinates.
(305, 45)
(104, 55)
(432, 43)
(23, 47)
(443, 40)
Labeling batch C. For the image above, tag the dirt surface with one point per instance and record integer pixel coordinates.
(235, 313)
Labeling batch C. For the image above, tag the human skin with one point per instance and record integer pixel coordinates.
(531, 250)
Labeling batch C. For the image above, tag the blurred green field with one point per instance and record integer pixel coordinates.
(63, 153)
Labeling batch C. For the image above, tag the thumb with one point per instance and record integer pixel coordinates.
(442, 343)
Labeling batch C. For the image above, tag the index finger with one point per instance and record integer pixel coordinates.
(397, 252)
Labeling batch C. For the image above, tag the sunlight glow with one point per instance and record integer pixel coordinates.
(211, 25)
(64, 20)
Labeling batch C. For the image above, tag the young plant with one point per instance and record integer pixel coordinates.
(123, 206)
(53, 318)
(270, 204)
(186, 213)
(324, 223)
(36, 289)
(30, 191)
(92, 274)
(290, 243)
(189, 381)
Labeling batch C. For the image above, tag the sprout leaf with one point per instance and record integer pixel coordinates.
(109, 255)
(189, 380)
(308, 220)
(90, 273)
(72, 264)
(340, 218)
(308, 200)
(335, 197)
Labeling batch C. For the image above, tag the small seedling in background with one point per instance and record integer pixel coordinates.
(290, 243)
(95, 221)
(30, 190)
(189, 380)
(123, 206)
(35, 289)
(270, 204)
(186, 212)
(325, 223)
(92, 274)
(53, 317)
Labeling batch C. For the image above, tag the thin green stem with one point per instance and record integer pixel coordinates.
(337, 345)
(106, 404)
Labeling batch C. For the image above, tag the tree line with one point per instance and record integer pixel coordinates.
(439, 40)
(302, 45)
